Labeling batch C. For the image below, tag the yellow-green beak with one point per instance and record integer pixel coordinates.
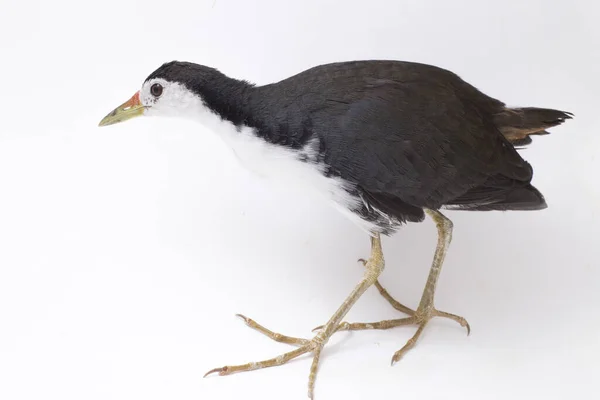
(130, 109)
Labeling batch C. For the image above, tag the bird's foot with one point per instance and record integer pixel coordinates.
(419, 318)
(314, 346)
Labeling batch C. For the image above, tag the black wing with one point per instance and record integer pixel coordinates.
(419, 144)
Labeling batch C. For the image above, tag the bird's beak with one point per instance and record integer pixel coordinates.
(130, 109)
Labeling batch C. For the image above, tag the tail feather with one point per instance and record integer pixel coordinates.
(518, 124)
(485, 198)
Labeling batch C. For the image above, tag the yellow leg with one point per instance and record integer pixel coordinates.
(426, 310)
(374, 267)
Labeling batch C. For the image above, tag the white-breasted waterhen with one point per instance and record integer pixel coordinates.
(385, 142)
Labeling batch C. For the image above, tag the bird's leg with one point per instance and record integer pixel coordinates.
(426, 310)
(374, 267)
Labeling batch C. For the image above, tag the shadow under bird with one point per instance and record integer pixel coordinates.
(384, 142)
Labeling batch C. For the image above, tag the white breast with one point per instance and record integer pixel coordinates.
(296, 169)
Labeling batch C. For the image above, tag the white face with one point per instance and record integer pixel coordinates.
(172, 99)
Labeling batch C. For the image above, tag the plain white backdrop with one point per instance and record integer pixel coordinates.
(126, 251)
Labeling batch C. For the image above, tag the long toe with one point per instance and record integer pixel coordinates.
(314, 346)
(463, 322)
(251, 366)
(278, 337)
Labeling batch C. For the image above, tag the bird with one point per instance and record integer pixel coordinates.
(384, 142)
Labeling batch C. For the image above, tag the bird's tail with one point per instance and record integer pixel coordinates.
(519, 124)
(486, 198)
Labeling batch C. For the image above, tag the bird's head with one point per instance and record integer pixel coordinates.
(174, 89)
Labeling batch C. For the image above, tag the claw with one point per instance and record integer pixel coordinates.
(221, 371)
(243, 318)
(398, 355)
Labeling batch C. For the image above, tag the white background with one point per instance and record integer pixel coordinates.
(126, 251)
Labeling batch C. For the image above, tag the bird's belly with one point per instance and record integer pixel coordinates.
(297, 170)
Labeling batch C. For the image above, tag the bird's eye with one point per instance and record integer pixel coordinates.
(156, 89)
